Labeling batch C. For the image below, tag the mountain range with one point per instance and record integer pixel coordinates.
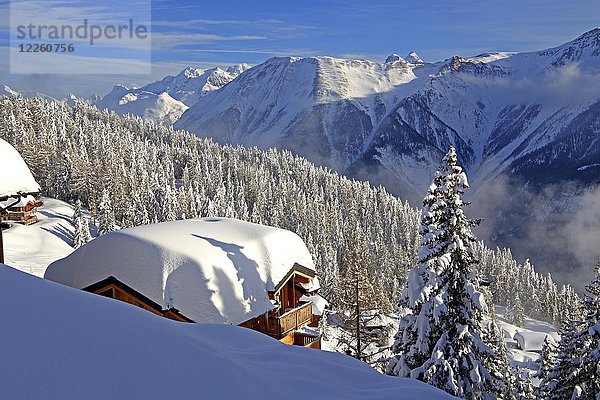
(166, 100)
(535, 115)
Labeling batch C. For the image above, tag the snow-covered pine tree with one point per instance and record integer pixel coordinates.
(441, 342)
(498, 365)
(524, 388)
(106, 215)
(588, 379)
(514, 311)
(560, 381)
(82, 229)
(546, 361)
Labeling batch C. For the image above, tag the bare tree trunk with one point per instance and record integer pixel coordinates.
(358, 349)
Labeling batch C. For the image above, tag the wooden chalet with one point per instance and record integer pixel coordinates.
(24, 212)
(286, 322)
(212, 270)
(290, 315)
(115, 289)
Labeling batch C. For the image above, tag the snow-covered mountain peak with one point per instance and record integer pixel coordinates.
(117, 92)
(237, 69)
(585, 50)
(393, 58)
(472, 66)
(414, 58)
(191, 72)
(165, 100)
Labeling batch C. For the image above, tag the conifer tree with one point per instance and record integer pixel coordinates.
(515, 313)
(546, 361)
(106, 217)
(365, 304)
(588, 379)
(560, 381)
(82, 229)
(440, 341)
(524, 389)
(503, 383)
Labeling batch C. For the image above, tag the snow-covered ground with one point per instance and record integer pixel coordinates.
(532, 334)
(32, 248)
(88, 346)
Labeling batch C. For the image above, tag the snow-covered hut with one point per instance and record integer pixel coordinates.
(533, 341)
(19, 192)
(216, 270)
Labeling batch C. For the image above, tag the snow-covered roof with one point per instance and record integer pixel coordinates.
(15, 176)
(17, 202)
(532, 341)
(318, 303)
(311, 286)
(210, 269)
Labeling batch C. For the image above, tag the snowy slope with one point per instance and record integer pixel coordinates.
(164, 101)
(525, 114)
(32, 248)
(532, 334)
(160, 108)
(68, 344)
(6, 91)
(15, 176)
(211, 269)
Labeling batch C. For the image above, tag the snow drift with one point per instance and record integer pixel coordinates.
(210, 269)
(62, 343)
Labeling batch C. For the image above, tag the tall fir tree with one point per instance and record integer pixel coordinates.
(561, 379)
(588, 379)
(546, 361)
(106, 215)
(515, 314)
(81, 226)
(440, 341)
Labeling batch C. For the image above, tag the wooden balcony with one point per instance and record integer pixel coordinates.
(302, 339)
(290, 321)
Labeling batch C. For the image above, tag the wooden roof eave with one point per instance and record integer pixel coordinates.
(296, 269)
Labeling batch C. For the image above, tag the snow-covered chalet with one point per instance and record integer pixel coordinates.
(19, 192)
(211, 270)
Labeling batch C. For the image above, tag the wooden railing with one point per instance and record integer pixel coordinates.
(301, 339)
(295, 318)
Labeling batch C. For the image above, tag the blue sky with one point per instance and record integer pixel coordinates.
(201, 33)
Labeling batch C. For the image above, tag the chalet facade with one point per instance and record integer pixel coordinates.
(24, 211)
(113, 288)
(211, 270)
(293, 311)
(289, 322)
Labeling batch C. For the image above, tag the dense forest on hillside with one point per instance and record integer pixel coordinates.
(134, 172)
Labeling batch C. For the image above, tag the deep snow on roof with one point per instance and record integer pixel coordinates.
(61, 343)
(15, 176)
(210, 269)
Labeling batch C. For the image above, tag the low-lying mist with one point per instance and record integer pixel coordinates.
(557, 227)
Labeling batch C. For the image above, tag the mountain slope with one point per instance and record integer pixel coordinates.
(6, 91)
(390, 122)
